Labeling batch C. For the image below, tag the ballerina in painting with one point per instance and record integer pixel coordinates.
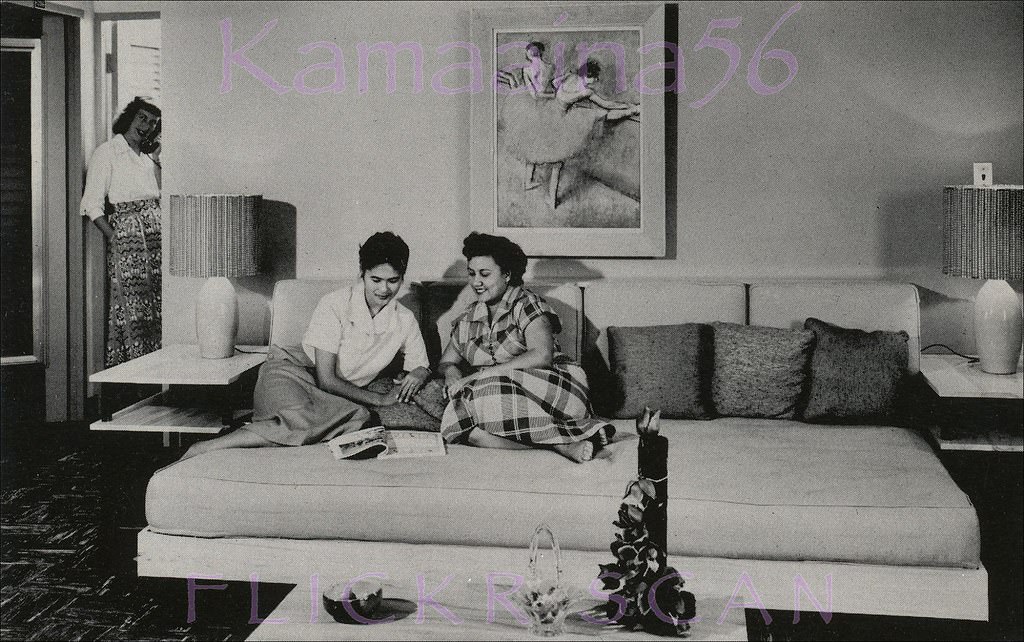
(556, 118)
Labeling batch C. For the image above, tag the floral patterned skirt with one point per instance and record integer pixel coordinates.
(133, 270)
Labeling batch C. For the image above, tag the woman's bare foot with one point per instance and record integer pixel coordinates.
(603, 436)
(240, 438)
(579, 452)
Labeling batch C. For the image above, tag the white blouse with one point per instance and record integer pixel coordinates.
(119, 174)
(365, 345)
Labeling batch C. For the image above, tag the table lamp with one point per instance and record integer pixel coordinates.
(213, 236)
(982, 240)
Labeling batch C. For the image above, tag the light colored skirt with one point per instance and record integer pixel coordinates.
(291, 410)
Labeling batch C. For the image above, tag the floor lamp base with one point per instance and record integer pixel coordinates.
(997, 327)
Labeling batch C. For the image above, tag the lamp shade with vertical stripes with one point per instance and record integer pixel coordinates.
(982, 231)
(213, 235)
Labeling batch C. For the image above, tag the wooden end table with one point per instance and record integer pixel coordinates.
(977, 429)
(167, 412)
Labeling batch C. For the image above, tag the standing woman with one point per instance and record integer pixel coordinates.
(122, 197)
(520, 391)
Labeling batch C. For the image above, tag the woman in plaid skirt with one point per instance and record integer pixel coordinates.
(508, 384)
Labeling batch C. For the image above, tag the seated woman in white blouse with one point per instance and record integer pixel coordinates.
(312, 393)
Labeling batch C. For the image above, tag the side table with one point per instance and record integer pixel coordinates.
(167, 412)
(976, 425)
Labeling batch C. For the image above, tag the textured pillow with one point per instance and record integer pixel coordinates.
(661, 366)
(856, 376)
(423, 414)
(759, 371)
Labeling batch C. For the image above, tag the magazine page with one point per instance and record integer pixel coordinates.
(361, 444)
(413, 443)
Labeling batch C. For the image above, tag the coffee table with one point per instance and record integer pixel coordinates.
(301, 616)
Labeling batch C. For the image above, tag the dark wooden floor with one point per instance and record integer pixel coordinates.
(72, 505)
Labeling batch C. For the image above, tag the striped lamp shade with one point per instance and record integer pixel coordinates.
(982, 231)
(214, 235)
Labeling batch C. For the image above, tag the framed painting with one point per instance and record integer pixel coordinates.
(568, 136)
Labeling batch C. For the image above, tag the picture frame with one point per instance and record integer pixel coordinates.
(559, 174)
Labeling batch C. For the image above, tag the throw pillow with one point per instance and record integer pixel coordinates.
(759, 371)
(662, 366)
(856, 376)
(423, 414)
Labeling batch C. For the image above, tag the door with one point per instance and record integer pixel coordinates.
(22, 319)
(40, 134)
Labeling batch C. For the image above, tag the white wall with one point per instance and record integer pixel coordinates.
(838, 175)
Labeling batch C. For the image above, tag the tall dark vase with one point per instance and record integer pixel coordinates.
(652, 464)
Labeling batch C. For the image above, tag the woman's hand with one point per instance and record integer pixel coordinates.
(453, 382)
(411, 383)
(104, 225)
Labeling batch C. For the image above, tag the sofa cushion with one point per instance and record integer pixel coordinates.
(869, 305)
(758, 371)
(644, 302)
(856, 376)
(738, 488)
(661, 366)
(424, 413)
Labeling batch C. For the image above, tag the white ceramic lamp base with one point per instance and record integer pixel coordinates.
(997, 327)
(217, 318)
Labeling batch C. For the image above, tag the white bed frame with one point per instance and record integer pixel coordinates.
(929, 592)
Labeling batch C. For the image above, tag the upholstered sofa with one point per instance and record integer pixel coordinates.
(865, 512)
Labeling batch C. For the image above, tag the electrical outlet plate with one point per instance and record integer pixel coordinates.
(983, 174)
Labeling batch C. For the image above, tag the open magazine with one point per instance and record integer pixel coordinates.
(377, 442)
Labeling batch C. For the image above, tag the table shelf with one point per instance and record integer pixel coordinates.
(154, 414)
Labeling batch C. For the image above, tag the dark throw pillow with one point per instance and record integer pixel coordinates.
(423, 414)
(759, 371)
(856, 376)
(661, 366)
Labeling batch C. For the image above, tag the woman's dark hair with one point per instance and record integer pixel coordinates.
(124, 121)
(590, 69)
(384, 247)
(536, 44)
(507, 254)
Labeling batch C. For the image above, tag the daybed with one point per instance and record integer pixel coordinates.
(865, 511)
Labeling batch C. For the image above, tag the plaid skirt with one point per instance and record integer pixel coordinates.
(533, 406)
(133, 270)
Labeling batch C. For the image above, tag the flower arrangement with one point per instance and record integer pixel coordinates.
(651, 590)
